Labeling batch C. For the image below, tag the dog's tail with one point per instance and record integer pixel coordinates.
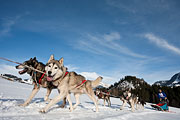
(96, 82)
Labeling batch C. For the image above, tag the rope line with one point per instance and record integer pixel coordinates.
(43, 73)
(21, 64)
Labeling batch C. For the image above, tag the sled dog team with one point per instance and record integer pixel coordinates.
(56, 76)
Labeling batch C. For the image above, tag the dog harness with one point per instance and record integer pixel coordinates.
(41, 77)
(39, 81)
(66, 74)
(45, 73)
(79, 84)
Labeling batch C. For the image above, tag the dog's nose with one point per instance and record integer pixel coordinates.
(16, 66)
(49, 72)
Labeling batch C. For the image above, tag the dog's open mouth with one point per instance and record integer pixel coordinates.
(49, 78)
(23, 71)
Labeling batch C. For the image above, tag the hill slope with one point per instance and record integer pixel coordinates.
(13, 93)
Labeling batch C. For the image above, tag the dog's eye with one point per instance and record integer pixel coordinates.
(55, 68)
(49, 66)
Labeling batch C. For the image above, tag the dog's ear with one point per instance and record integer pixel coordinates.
(61, 61)
(34, 58)
(51, 58)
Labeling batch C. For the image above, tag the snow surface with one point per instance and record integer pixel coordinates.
(13, 93)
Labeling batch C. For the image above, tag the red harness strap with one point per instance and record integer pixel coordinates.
(66, 74)
(41, 77)
(81, 83)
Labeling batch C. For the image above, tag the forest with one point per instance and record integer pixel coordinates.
(145, 91)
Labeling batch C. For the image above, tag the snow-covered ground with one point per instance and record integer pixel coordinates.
(13, 93)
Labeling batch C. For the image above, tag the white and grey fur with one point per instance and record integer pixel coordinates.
(132, 100)
(33, 62)
(71, 83)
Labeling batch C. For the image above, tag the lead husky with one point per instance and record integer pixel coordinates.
(68, 83)
(39, 79)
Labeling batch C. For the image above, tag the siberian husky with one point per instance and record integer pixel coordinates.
(132, 100)
(39, 79)
(68, 82)
(103, 94)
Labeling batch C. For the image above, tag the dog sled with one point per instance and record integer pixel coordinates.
(162, 106)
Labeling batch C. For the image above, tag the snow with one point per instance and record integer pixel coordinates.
(28, 81)
(13, 93)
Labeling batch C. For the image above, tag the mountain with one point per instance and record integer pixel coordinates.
(173, 82)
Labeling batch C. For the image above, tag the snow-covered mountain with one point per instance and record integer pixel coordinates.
(174, 81)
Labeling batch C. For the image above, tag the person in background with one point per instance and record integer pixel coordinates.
(162, 96)
(163, 101)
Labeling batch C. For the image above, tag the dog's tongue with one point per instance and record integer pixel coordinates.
(49, 78)
(21, 72)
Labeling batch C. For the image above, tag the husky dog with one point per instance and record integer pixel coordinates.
(140, 103)
(129, 98)
(39, 79)
(103, 95)
(68, 82)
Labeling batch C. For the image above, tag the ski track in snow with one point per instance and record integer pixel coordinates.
(13, 93)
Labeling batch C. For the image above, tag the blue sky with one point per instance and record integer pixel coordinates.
(111, 38)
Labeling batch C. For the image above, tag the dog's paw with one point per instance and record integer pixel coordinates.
(42, 111)
(49, 100)
(46, 99)
(97, 111)
(62, 106)
(74, 107)
(71, 109)
(22, 105)
(132, 110)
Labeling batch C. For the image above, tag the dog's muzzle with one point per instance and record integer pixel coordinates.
(49, 76)
(22, 71)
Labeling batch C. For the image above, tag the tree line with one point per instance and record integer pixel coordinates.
(146, 91)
